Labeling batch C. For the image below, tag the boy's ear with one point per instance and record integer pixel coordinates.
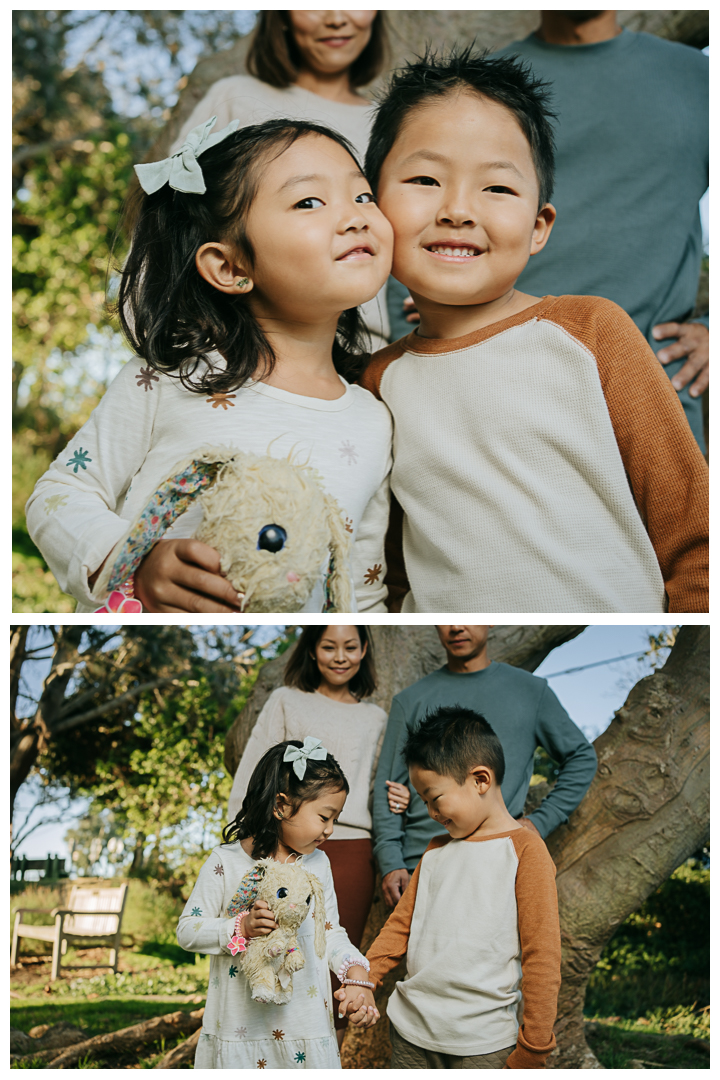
(218, 264)
(483, 777)
(543, 227)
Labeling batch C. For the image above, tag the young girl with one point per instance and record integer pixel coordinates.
(295, 795)
(250, 252)
(329, 673)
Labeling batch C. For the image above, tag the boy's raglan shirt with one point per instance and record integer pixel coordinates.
(477, 916)
(544, 463)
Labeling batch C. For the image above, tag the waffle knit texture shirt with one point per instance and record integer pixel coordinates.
(544, 463)
(631, 166)
(523, 712)
(147, 422)
(351, 732)
(478, 916)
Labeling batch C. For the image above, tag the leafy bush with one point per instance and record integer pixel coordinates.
(659, 957)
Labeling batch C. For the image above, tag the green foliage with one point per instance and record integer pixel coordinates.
(660, 954)
(62, 243)
(544, 768)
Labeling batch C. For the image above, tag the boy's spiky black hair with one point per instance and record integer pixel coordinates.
(451, 740)
(505, 79)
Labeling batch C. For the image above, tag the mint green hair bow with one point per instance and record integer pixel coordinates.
(311, 748)
(181, 170)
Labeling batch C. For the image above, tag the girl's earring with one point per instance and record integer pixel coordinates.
(241, 282)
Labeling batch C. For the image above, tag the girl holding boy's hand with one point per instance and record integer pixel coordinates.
(359, 1004)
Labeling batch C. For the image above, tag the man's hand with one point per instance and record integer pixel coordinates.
(184, 575)
(693, 341)
(527, 823)
(394, 885)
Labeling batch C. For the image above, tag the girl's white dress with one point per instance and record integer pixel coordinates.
(147, 422)
(239, 1033)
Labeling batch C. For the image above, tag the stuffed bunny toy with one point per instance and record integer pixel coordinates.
(269, 962)
(269, 518)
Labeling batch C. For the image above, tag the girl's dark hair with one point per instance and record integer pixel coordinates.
(274, 58)
(271, 777)
(170, 315)
(302, 670)
(504, 79)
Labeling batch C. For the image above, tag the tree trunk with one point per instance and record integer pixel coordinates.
(645, 813)
(27, 736)
(647, 810)
(403, 654)
(131, 1039)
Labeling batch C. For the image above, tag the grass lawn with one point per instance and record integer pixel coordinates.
(647, 1003)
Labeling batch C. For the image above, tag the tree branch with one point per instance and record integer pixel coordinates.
(101, 710)
(38, 149)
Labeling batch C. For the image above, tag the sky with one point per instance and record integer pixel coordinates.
(590, 696)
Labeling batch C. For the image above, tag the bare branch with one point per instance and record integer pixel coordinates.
(101, 710)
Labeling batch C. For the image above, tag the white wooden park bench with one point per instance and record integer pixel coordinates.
(92, 918)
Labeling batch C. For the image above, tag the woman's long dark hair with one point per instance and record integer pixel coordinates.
(274, 58)
(302, 670)
(271, 777)
(170, 315)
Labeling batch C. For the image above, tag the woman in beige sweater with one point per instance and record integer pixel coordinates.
(329, 673)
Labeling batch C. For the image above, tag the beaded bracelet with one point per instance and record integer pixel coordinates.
(358, 982)
(237, 942)
(343, 970)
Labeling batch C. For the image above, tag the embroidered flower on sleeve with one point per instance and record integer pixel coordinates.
(261, 1063)
(79, 459)
(312, 991)
(241, 1032)
(372, 574)
(196, 911)
(278, 1035)
(54, 502)
(232, 971)
(220, 870)
(299, 1057)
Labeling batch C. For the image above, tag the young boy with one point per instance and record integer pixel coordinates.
(479, 914)
(542, 459)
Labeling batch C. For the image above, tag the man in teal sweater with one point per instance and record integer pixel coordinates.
(631, 167)
(524, 714)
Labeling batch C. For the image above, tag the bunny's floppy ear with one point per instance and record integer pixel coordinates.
(247, 891)
(172, 498)
(317, 891)
(338, 596)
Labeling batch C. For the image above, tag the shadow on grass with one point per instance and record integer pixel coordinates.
(94, 1017)
(174, 953)
(616, 1047)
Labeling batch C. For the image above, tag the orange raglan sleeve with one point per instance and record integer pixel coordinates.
(389, 947)
(539, 929)
(396, 579)
(667, 473)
